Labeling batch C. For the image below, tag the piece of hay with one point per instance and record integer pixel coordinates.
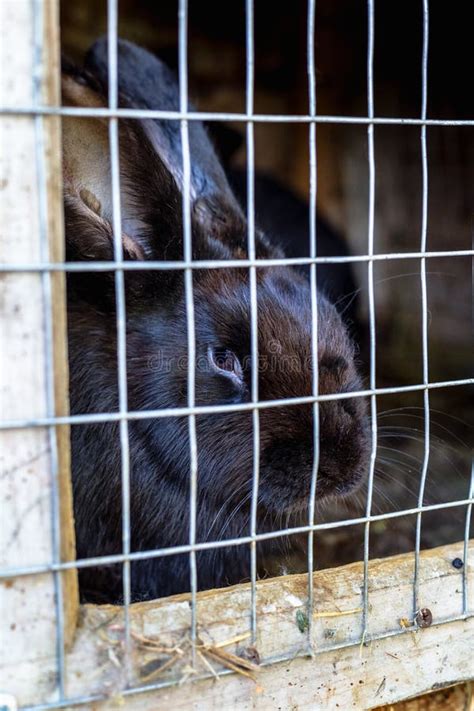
(338, 613)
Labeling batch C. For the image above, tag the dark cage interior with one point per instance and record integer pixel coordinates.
(216, 60)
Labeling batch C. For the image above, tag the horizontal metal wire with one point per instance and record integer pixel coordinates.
(277, 659)
(215, 409)
(105, 266)
(212, 545)
(98, 112)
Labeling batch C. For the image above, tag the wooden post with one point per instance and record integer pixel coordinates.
(32, 462)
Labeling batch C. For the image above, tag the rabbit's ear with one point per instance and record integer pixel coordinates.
(144, 82)
(150, 203)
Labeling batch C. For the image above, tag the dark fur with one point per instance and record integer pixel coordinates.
(283, 215)
(157, 366)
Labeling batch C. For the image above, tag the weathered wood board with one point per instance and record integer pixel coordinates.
(387, 670)
(29, 53)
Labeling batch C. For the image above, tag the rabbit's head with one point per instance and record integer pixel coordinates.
(151, 179)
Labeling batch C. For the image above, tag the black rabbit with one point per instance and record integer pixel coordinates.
(151, 200)
(284, 216)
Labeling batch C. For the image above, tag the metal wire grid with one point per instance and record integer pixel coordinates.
(45, 268)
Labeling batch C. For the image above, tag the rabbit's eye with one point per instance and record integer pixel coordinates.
(226, 362)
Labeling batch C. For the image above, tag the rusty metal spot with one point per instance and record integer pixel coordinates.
(424, 617)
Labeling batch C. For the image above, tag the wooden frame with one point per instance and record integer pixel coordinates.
(29, 468)
(400, 660)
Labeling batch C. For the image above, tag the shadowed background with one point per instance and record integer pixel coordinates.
(216, 54)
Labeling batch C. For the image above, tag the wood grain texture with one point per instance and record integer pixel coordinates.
(53, 155)
(389, 669)
(27, 474)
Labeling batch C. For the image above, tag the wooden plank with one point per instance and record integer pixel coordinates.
(387, 670)
(28, 620)
(453, 698)
(53, 151)
(343, 680)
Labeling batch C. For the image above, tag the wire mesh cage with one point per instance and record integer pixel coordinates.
(260, 627)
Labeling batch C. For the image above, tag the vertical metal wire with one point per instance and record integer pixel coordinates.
(314, 304)
(370, 268)
(46, 281)
(424, 304)
(189, 299)
(112, 19)
(467, 528)
(249, 31)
